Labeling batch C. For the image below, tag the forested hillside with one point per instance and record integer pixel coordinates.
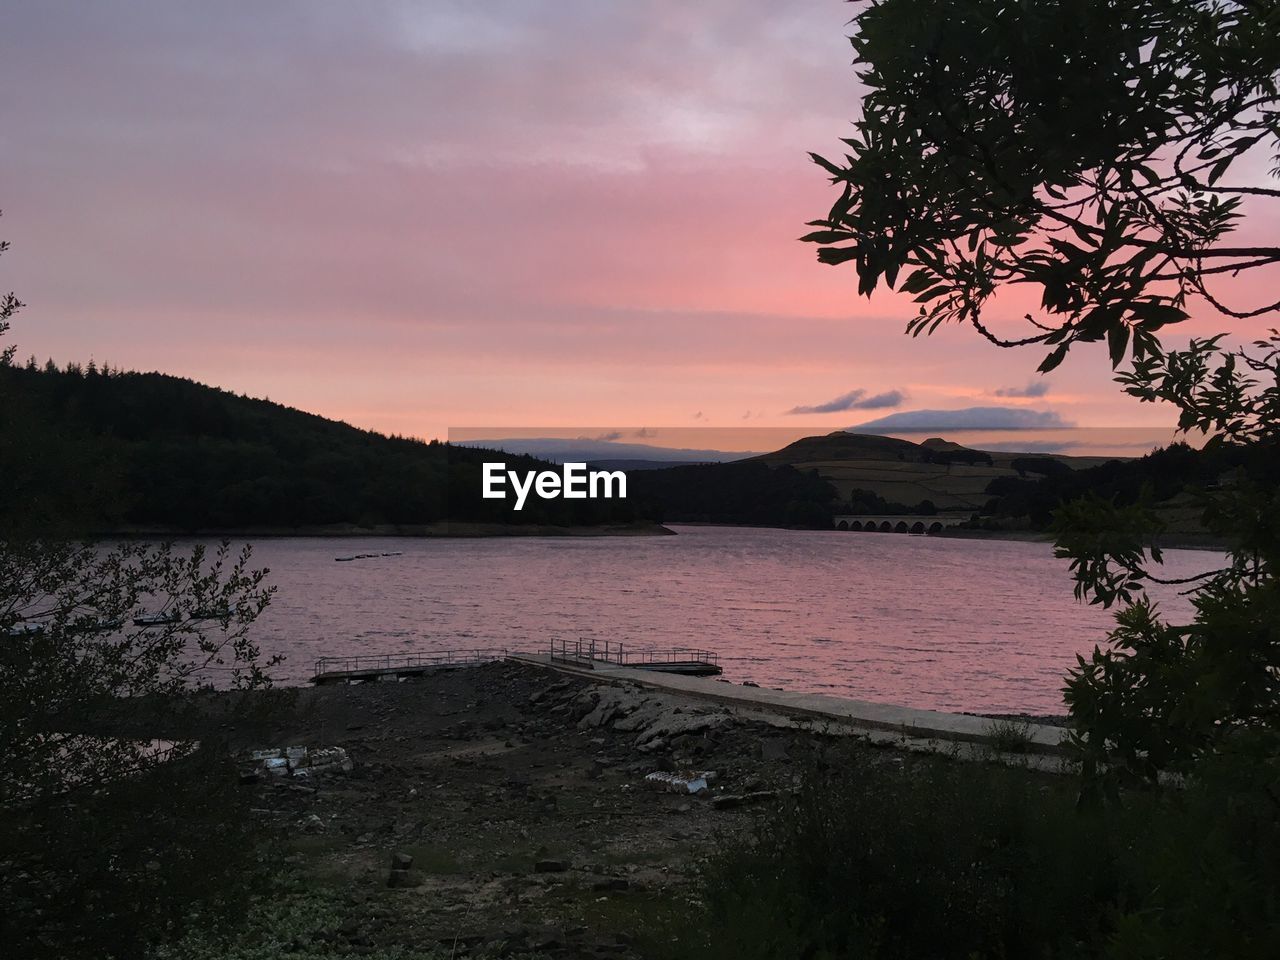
(149, 451)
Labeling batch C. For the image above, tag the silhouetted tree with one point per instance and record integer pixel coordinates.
(108, 843)
(1100, 153)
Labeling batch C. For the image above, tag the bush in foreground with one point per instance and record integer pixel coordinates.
(942, 859)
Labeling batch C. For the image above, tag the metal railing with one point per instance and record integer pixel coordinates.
(608, 651)
(406, 661)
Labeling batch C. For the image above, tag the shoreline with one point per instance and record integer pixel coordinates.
(449, 530)
(442, 530)
(448, 822)
(1172, 541)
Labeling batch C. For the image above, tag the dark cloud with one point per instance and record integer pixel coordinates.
(1036, 388)
(854, 400)
(970, 418)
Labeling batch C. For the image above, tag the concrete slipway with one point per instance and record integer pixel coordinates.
(961, 734)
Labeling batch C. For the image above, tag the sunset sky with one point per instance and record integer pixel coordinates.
(417, 216)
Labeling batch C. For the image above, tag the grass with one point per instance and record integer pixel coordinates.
(293, 923)
(1009, 735)
(945, 860)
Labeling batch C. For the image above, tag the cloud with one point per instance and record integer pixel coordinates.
(970, 418)
(1015, 445)
(854, 400)
(1037, 388)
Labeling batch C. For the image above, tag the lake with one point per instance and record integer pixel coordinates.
(949, 624)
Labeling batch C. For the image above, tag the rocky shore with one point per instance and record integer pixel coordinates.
(507, 810)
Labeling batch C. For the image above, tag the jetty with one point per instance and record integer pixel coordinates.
(581, 654)
(392, 667)
(598, 654)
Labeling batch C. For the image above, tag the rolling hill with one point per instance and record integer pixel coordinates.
(951, 477)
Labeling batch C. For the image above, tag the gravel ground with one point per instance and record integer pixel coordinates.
(520, 796)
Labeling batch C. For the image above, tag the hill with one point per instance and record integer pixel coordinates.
(151, 452)
(899, 472)
(1019, 491)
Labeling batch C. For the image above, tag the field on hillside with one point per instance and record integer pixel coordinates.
(903, 472)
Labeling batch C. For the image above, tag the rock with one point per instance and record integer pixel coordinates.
(401, 861)
(773, 750)
(727, 801)
(686, 723)
(404, 879)
(611, 884)
(550, 866)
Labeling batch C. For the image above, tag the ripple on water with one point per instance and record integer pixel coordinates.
(928, 622)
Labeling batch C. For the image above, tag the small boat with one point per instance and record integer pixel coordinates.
(23, 629)
(156, 619)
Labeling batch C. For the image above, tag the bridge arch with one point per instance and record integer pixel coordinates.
(886, 526)
(935, 527)
(901, 527)
(843, 525)
(918, 527)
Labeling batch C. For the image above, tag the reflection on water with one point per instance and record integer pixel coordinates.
(922, 621)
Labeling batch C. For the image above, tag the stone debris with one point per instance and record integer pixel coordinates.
(727, 801)
(688, 781)
(296, 762)
(520, 795)
(402, 875)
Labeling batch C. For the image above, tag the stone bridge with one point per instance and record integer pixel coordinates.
(905, 524)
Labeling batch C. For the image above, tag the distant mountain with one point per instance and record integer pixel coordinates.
(560, 450)
(629, 465)
(969, 418)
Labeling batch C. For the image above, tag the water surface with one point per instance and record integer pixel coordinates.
(948, 624)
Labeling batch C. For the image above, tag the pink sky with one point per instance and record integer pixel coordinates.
(413, 216)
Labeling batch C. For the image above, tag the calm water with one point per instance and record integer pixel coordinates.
(921, 621)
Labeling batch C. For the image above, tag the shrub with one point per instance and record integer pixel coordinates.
(941, 859)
